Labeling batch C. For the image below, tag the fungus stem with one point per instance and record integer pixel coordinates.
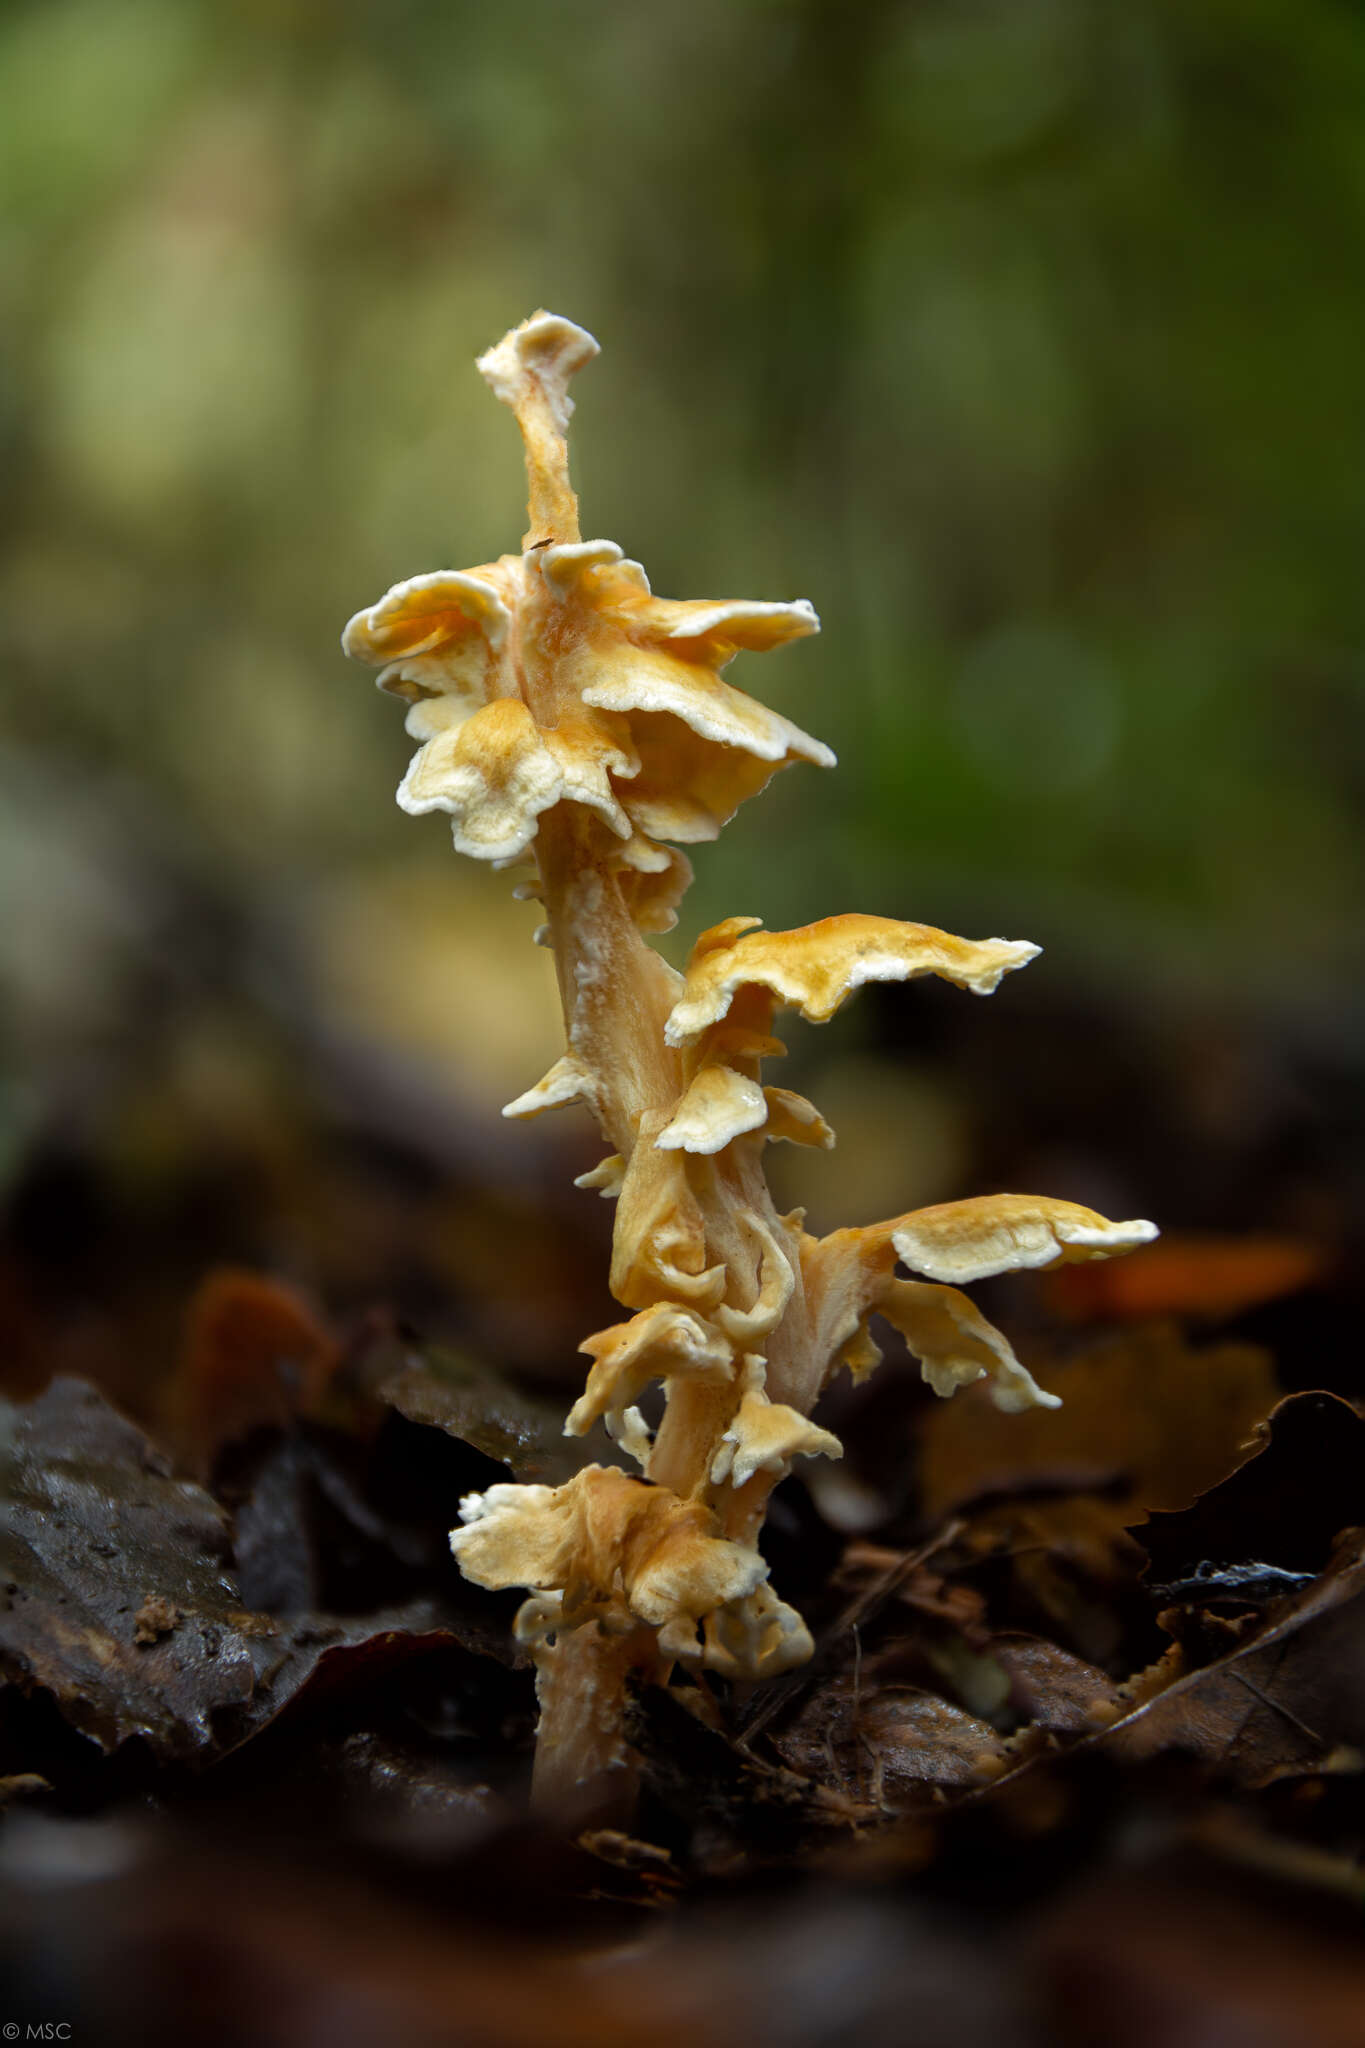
(530, 370)
(552, 504)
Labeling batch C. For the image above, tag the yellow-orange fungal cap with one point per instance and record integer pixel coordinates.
(792, 1117)
(492, 772)
(568, 1080)
(756, 1636)
(606, 1178)
(629, 715)
(604, 1540)
(718, 1106)
(816, 967)
(766, 1436)
(955, 1344)
(989, 1234)
(661, 1342)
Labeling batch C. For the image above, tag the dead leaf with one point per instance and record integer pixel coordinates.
(484, 1409)
(117, 1595)
(254, 1356)
(1050, 1689)
(307, 1538)
(1279, 1705)
(1147, 1421)
(92, 1527)
(892, 1746)
(317, 1658)
(1284, 1506)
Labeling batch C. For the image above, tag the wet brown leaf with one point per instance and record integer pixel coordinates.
(117, 1595)
(307, 1536)
(94, 1533)
(481, 1407)
(316, 1658)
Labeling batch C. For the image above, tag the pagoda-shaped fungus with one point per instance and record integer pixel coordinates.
(567, 716)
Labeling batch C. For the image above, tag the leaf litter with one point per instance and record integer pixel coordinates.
(1006, 1660)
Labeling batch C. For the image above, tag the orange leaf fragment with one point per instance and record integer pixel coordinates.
(254, 1356)
(1199, 1275)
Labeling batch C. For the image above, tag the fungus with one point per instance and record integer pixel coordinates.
(568, 717)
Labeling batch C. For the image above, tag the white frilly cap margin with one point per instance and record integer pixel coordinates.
(552, 349)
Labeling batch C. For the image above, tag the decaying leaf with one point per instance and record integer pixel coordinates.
(1284, 1507)
(1147, 1420)
(485, 1410)
(889, 1746)
(304, 1537)
(1051, 1689)
(94, 1534)
(1289, 1701)
(314, 1658)
(118, 1596)
(254, 1355)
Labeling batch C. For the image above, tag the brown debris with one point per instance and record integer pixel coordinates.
(156, 1617)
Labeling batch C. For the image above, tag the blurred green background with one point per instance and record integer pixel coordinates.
(1022, 336)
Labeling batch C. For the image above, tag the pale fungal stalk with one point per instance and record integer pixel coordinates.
(570, 719)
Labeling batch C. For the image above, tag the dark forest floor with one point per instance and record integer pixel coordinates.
(1080, 1758)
